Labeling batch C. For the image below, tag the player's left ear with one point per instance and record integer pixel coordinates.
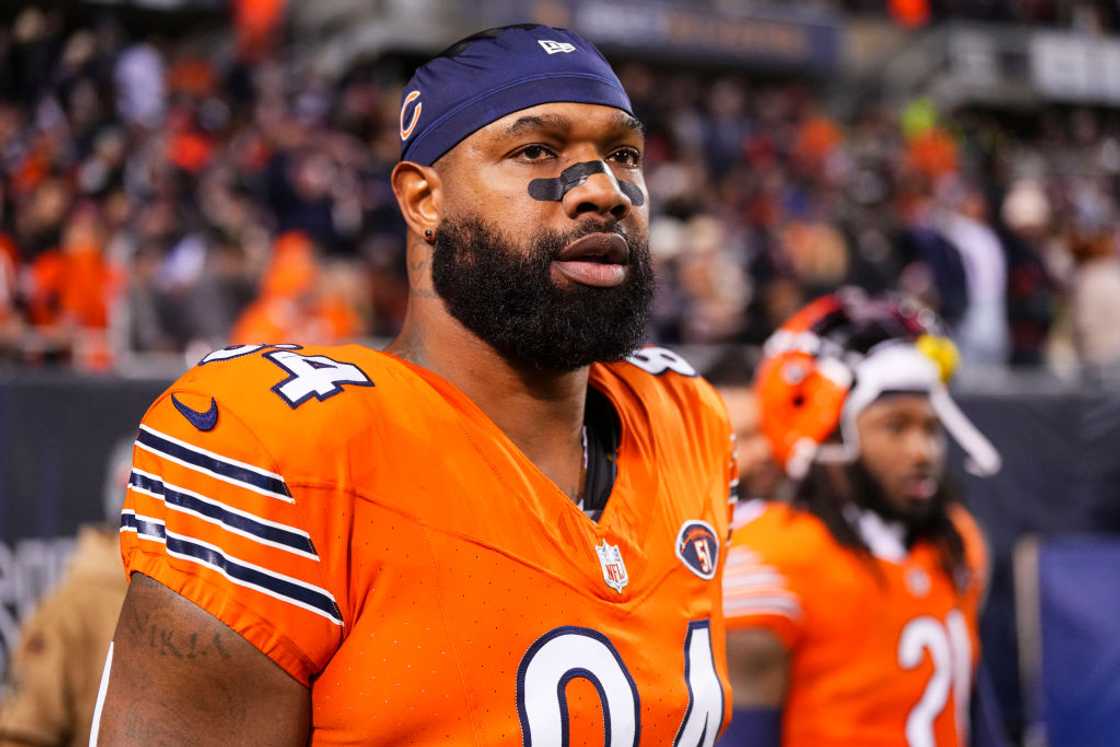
(419, 192)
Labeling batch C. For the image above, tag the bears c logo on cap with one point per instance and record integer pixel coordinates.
(406, 131)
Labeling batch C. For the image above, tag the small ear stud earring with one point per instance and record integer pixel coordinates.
(429, 234)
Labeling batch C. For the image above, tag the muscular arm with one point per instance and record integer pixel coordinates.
(181, 677)
(759, 668)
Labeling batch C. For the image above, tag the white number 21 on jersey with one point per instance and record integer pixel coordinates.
(950, 651)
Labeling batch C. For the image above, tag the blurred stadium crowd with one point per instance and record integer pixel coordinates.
(1082, 15)
(176, 195)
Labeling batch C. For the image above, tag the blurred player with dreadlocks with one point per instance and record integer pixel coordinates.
(852, 610)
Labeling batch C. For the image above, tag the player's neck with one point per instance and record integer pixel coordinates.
(542, 413)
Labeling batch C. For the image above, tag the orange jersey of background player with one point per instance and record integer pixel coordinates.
(882, 651)
(366, 526)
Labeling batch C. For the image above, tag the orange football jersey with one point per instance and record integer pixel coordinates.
(360, 521)
(876, 658)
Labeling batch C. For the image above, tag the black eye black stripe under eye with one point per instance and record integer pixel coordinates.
(553, 190)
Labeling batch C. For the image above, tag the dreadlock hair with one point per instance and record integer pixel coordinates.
(821, 494)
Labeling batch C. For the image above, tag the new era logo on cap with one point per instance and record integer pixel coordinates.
(553, 47)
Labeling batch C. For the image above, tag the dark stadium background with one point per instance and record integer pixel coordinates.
(176, 175)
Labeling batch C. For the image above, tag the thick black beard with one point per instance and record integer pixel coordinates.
(819, 494)
(932, 522)
(505, 295)
(868, 492)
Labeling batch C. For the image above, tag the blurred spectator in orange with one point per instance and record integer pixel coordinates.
(910, 13)
(192, 77)
(933, 153)
(70, 284)
(11, 323)
(68, 292)
(258, 25)
(187, 147)
(818, 138)
(300, 302)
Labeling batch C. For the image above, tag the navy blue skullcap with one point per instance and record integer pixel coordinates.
(497, 72)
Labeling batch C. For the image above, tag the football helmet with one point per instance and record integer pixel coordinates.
(838, 355)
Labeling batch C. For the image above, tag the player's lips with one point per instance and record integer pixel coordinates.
(920, 487)
(602, 247)
(598, 259)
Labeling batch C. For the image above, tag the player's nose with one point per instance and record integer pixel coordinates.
(921, 448)
(600, 194)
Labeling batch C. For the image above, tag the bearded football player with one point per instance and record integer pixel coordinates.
(852, 610)
(507, 528)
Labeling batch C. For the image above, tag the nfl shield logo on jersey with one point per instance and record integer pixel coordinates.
(614, 570)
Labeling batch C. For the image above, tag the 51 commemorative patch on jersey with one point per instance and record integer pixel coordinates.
(698, 548)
